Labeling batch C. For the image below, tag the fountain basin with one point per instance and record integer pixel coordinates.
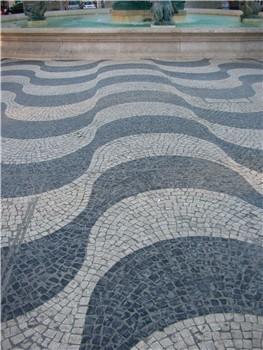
(133, 40)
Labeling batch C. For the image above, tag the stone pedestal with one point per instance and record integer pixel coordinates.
(130, 16)
(163, 26)
(180, 16)
(37, 24)
(253, 21)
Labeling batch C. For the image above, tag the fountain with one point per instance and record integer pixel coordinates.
(163, 12)
(160, 12)
(94, 34)
(35, 11)
(250, 11)
(131, 11)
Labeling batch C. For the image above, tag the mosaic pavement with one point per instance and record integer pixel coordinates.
(132, 205)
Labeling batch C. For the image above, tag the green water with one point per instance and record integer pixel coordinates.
(105, 21)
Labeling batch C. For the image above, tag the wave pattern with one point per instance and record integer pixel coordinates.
(132, 204)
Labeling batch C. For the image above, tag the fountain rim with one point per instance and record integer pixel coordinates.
(148, 30)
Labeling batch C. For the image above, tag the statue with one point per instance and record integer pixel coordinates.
(35, 10)
(250, 9)
(163, 12)
(131, 5)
